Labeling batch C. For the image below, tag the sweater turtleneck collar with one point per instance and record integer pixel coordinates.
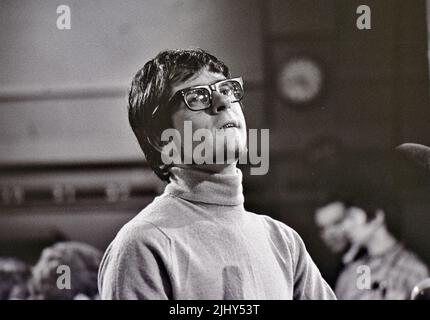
(205, 187)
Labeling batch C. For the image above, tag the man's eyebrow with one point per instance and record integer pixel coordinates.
(205, 85)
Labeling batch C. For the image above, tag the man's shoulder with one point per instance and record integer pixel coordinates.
(410, 260)
(276, 224)
(278, 228)
(139, 231)
(158, 212)
(135, 246)
(403, 259)
(145, 226)
(162, 204)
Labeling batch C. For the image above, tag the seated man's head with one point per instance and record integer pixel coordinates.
(186, 86)
(353, 215)
(54, 265)
(366, 211)
(330, 217)
(364, 217)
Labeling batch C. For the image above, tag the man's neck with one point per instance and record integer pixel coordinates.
(380, 242)
(220, 186)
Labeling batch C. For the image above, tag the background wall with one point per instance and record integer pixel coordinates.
(73, 82)
(69, 164)
(376, 97)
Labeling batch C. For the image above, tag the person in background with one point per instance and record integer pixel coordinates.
(387, 270)
(81, 259)
(14, 277)
(329, 218)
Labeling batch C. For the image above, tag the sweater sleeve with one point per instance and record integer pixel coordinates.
(136, 265)
(308, 282)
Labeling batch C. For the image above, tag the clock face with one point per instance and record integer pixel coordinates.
(300, 81)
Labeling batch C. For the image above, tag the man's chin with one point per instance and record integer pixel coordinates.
(225, 155)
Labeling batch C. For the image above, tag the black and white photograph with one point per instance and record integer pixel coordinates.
(210, 150)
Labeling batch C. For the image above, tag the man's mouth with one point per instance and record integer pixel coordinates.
(230, 124)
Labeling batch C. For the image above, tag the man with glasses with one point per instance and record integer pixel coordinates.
(196, 240)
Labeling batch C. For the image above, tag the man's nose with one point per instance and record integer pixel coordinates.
(329, 232)
(220, 102)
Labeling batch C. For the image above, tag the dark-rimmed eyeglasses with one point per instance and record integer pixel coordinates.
(199, 98)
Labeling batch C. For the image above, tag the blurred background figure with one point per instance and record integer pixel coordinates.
(363, 222)
(329, 218)
(14, 276)
(83, 261)
(377, 265)
(355, 226)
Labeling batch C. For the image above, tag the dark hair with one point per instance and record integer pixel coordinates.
(83, 261)
(370, 197)
(368, 201)
(151, 88)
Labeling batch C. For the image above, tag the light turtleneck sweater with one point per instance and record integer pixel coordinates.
(196, 241)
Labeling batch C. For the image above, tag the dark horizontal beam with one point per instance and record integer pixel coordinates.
(9, 168)
(75, 92)
(61, 93)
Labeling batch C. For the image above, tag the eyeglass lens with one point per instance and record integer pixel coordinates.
(200, 98)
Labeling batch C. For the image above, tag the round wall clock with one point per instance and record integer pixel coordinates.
(300, 81)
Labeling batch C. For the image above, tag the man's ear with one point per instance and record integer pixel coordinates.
(379, 217)
(378, 220)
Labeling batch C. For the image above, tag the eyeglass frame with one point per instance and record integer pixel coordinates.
(210, 87)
